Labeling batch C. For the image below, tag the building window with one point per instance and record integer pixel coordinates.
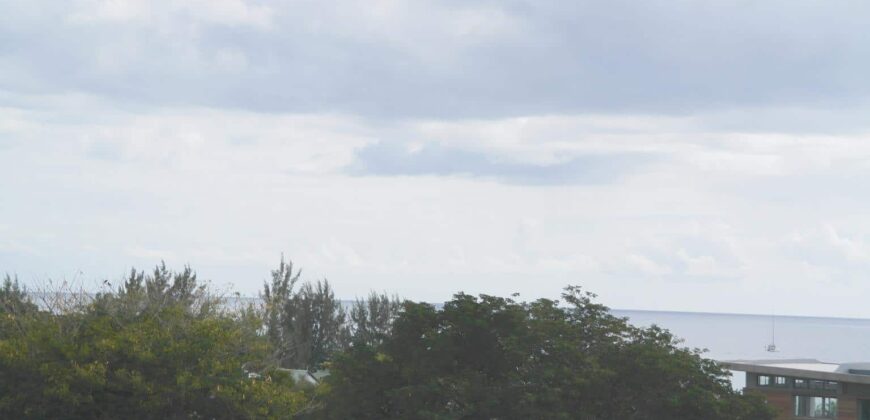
(800, 383)
(815, 407)
(779, 380)
(831, 386)
(814, 384)
(763, 380)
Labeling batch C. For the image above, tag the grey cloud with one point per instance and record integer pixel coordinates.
(390, 159)
(843, 119)
(562, 57)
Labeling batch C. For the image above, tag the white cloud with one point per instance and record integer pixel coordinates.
(89, 185)
(646, 265)
(436, 33)
(515, 146)
(163, 12)
(195, 140)
(851, 248)
(574, 264)
(699, 265)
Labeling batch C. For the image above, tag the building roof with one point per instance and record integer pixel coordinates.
(303, 377)
(858, 372)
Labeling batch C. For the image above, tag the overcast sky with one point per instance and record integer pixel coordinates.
(676, 155)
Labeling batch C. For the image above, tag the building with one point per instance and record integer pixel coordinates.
(303, 378)
(809, 389)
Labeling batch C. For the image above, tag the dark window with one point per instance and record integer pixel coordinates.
(814, 384)
(763, 380)
(800, 383)
(815, 407)
(831, 386)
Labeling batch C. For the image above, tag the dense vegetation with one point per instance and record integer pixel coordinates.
(495, 358)
(161, 345)
(158, 347)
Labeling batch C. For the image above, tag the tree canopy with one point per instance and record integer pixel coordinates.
(163, 345)
(160, 346)
(305, 326)
(495, 358)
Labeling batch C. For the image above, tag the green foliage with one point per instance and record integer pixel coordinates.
(14, 304)
(14, 299)
(163, 346)
(305, 326)
(372, 318)
(158, 347)
(276, 296)
(492, 357)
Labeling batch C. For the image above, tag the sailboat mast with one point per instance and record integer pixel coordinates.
(773, 329)
(772, 346)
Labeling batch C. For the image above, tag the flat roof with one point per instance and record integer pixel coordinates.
(856, 372)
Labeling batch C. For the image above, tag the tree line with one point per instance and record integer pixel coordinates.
(307, 325)
(163, 344)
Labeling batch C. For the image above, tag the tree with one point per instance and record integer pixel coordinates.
(306, 326)
(13, 297)
(492, 357)
(318, 325)
(276, 297)
(14, 304)
(372, 318)
(160, 346)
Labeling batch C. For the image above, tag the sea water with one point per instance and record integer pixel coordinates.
(734, 336)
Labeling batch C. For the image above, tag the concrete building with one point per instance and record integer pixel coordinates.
(809, 389)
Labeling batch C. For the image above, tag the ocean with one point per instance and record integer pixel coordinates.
(736, 336)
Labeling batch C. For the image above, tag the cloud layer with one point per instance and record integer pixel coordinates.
(466, 59)
(667, 155)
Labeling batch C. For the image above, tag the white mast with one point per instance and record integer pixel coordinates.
(772, 346)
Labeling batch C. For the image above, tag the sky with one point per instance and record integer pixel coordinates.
(666, 155)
